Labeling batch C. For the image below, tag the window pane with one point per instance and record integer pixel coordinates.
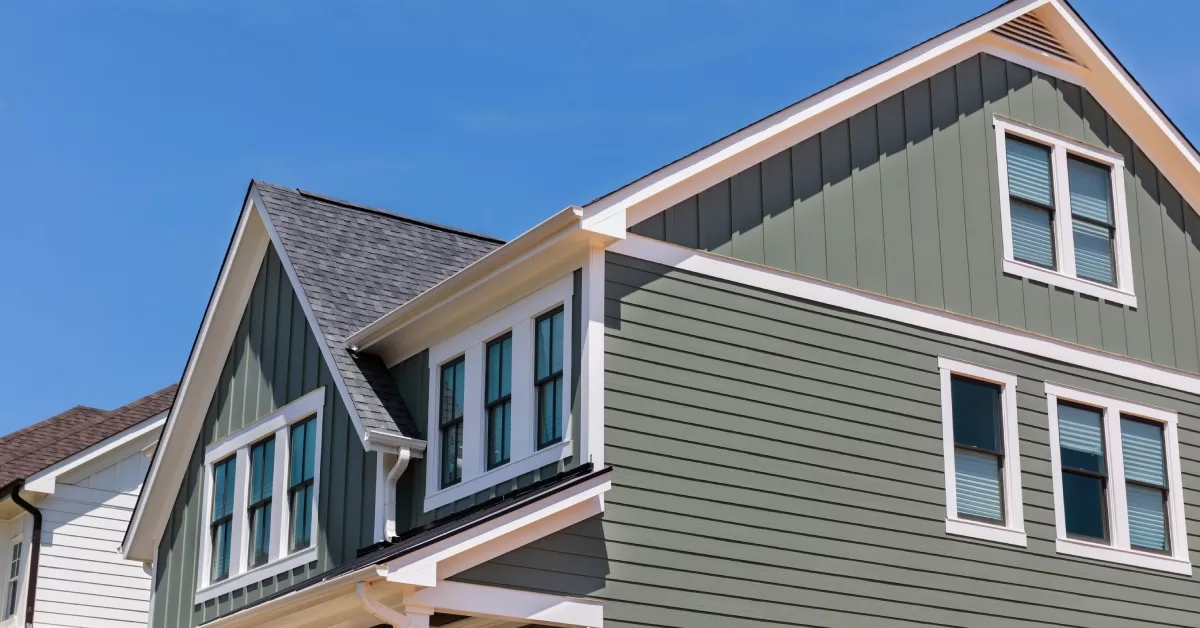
(301, 516)
(1083, 500)
(1142, 451)
(1093, 252)
(1147, 517)
(976, 409)
(556, 336)
(296, 461)
(506, 372)
(1029, 172)
(262, 469)
(977, 478)
(543, 343)
(1081, 437)
(499, 369)
(1032, 234)
(498, 434)
(1089, 183)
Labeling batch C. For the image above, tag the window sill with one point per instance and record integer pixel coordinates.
(1082, 286)
(537, 460)
(1096, 551)
(985, 531)
(258, 574)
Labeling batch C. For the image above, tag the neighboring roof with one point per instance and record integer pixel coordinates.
(459, 522)
(355, 264)
(41, 445)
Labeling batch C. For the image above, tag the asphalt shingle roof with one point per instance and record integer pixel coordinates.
(355, 264)
(41, 445)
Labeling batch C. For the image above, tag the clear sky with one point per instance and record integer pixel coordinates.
(129, 130)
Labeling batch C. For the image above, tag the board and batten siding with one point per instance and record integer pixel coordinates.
(902, 199)
(779, 462)
(83, 582)
(274, 359)
(411, 378)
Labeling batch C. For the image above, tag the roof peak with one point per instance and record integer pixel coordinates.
(380, 211)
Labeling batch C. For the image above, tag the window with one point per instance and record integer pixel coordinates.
(498, 400)
(12, 582)
(262, 470)
(548, 379)
(501, 403)
(221, 526)
(452, 407)
(260, 498)
(981, 452)
(1117, 492)
(1063, 208)
(300, 483)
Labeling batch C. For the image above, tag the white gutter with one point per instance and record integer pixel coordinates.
(389, 522)
(387, 614)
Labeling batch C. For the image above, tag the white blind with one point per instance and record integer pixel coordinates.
(977, 480)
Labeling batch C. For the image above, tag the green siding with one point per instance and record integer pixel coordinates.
(412, 381)
(779, 462)
(274, 360)
(902, 199)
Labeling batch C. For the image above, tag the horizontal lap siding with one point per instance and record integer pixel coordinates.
(780, 463)
(274, 360)
(902, 199)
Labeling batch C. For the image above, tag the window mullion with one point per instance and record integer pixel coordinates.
(279, 501)
(1063, 229)
(1118, 506)
(240, 522)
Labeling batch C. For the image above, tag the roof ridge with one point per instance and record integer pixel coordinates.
(383, 212)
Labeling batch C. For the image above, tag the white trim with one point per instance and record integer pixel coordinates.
(1064, 246)
(1118, 515)
(478, 600)
(942, 321)
(524, 457)
(1013, 529)
(591, 363)
(276, 423)
(45, 481)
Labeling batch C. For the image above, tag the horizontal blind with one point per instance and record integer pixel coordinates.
(977, 481)
(1089, 184)
(1147, 517)
(1142, 449)
(1032, 234)
(1029, 172)
(1093, 252)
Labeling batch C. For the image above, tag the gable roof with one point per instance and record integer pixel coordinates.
(46, 443)
(356, 263)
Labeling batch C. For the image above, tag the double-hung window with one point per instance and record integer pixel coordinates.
(981, 453)
(260, 498)
(1063, 208)
(1117, 490)
(501, 403)
(12, 580)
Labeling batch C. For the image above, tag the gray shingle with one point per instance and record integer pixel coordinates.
(357, 263)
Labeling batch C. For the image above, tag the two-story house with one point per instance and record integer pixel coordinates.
(68, 486)
(921, 349)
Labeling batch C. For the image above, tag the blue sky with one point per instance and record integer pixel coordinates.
(129, 130)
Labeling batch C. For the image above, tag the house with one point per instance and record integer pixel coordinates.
(918, 350)
(68, 486)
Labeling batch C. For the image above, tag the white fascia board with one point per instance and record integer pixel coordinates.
(217, 329)
(783, 282)
(498, 603)
(44, 481)
(391, 442)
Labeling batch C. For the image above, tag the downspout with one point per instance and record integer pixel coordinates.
(387, 614)
(403, 456)
(35, 551)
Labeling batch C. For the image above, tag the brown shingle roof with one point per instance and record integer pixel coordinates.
(59, 437)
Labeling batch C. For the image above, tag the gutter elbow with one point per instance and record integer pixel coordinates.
(388, 615)
(403, 457)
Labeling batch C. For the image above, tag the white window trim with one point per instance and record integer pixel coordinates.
(17, 617)
(238, 444)
(524, 457)
(1120, 551)
(1064, 275)
(1013, 531)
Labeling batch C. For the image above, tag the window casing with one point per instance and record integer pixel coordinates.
(981, 453)
(266, 522)
(548, 376)
(1117, 484)
(12, 579)
(499, 408)
(1063, 212)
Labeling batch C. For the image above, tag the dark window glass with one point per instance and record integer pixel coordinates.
(450, 421)
(1084, 470)
(498, 400)
(979, 449)
(221, 526)
(262, 479)
(302, 470)
(548, 375)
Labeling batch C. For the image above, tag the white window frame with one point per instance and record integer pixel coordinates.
(279, 423)
(523, 455)
(1120, 550)
(1013, 530)
(15, 618)
(1064, 242)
